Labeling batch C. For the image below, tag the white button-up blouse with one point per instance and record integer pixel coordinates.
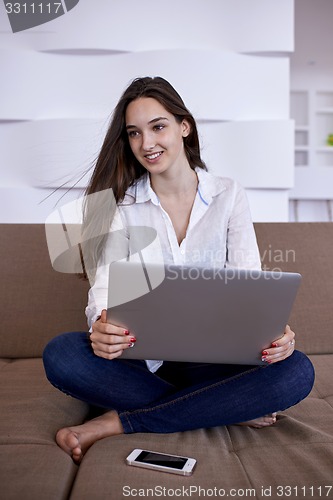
(220, 233)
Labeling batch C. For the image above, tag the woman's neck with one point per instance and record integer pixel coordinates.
(175, 185)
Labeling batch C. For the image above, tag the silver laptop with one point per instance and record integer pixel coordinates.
(200, 314)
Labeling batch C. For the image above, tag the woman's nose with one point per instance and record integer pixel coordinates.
(148, 142)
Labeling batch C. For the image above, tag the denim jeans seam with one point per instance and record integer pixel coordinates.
(124, 415)
(194, 393)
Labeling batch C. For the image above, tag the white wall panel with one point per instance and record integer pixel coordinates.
(54, 152)
(10, 155)
(51, 152)
(26, 205)
(29, 205)
(259, 154)
(309, 186)
(115, 25)
(65, 77)
(269, 205)
(217, 85)
(311, 210)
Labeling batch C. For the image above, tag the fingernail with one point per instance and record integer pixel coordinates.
(264, 353)
(274, 344)
(126, 332)
(133, 339)
(131, 344)
(263, 358)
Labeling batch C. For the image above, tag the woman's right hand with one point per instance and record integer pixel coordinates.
(108, 341)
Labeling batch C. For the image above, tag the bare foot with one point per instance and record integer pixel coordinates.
(260, 422)
(77, 440)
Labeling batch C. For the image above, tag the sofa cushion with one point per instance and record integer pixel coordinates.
(306, 248)
(37, 302)
(296, 451)
(32, 472)
(106, 459)
(31, 413)
(31, 409)
(104, 474)
(238, 457)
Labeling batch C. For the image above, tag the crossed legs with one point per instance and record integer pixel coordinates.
(178, 397)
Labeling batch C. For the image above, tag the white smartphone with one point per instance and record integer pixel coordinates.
(159, 461)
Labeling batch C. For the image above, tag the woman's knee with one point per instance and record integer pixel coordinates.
(301, 375)
(306, 371)
(291, 380)
(60, 355)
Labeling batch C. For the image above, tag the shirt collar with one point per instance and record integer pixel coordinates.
(142, 191)
(208, 187)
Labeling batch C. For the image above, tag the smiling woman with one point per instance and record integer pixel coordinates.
(151, 156)
(123, 158)
(121, 169)
(156, 138)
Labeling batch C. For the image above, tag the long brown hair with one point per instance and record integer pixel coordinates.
(116, 166)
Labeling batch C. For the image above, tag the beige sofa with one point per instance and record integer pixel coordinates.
(37, 303)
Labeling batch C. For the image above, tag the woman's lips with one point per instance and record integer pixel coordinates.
(154, 156)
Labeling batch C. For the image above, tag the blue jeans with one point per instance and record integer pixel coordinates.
(179, 396)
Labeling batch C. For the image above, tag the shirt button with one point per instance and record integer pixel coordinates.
(182, 252)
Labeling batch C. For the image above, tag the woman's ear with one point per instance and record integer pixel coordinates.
(186, 128)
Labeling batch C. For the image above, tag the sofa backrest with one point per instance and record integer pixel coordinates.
(38, 303)
(306, 248)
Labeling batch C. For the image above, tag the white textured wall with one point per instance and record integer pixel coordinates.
(60, 81)
(311, 199)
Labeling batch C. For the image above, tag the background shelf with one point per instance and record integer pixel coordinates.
(312, 111)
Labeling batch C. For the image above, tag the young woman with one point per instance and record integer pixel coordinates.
(151, 157)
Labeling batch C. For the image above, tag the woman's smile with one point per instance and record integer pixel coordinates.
(153, 157)
(155, 136)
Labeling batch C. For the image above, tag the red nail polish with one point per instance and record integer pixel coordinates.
(126, 332)
(264, 353)
(274, 344)
(133, 339)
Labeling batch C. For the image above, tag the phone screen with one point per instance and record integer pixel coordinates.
(148, 457)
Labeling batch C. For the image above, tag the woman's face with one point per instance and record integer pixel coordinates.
(155, 137)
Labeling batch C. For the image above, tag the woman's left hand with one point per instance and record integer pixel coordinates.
(281, 348)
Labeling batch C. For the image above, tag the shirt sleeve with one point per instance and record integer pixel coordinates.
(242, 247)
(115, 249)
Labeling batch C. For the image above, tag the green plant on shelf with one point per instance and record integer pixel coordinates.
(329, 141)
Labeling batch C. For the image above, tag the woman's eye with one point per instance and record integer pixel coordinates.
(133, 133)
(158, 127)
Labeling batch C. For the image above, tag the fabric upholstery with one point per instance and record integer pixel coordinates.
(35, 472)
(31, 409)
(38, 303)
(306, 248)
